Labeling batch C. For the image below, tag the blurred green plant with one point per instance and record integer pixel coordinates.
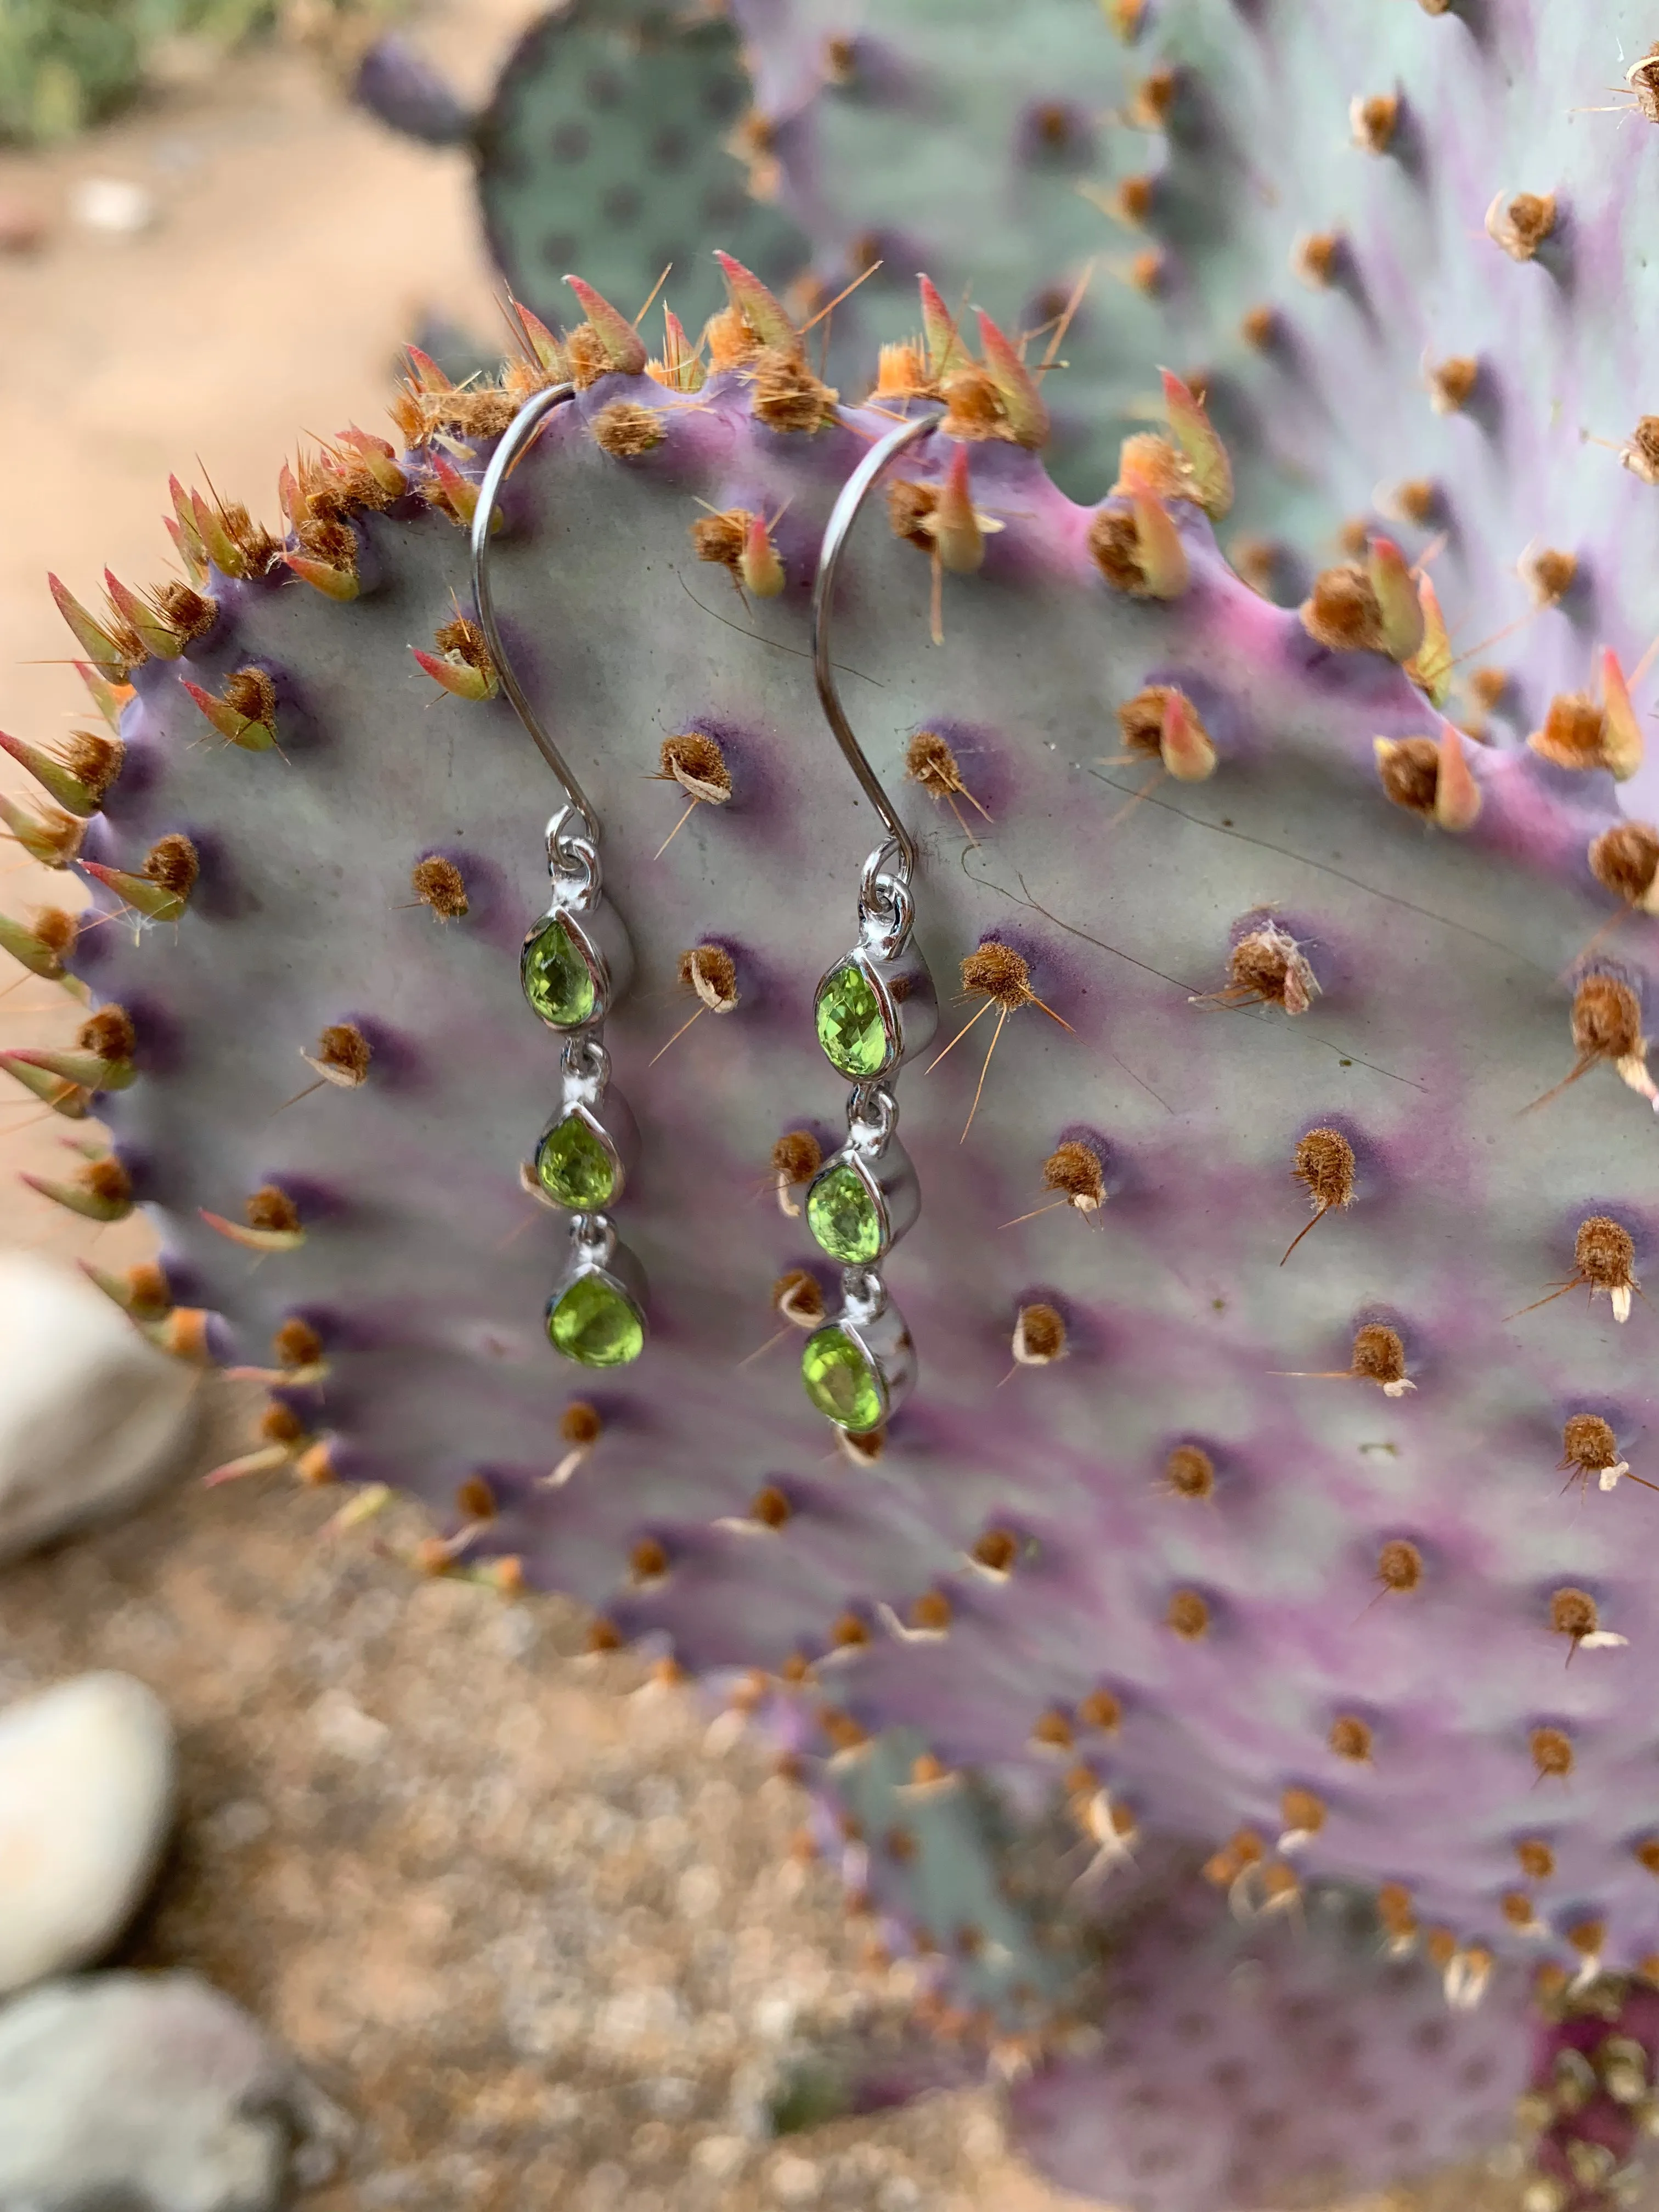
(67, 63)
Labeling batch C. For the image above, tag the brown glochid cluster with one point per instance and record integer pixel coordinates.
(1625, 859)
(1588, 1445)
(343, 1053)
(932, 1612)
(1549, 574)
(997, 972)
(796, 1295)
(1409, 768)
(438, 882)
(1189, 1472)
(1375, 121)
(996, 1551)
(1573, 1613)
(625, 429)
(109, 1033)
(1074, 1168)
(1574, 734)
(474, 1500)
(696, 762)
(930, 761)
(1323, 1163)
(1379, 1355)
(272, 1210)
(1099, 1709)
(1452, 382)
(770, 1507)
(1317, 259)
(172, 862)
(711, 973)
(1141, 720)
(1551, 1751)
(1607, 1019)
(649, 1560)
(1188, 1614)
(720, 538)
(1039, 1335)
(797, 1156)
(580, 1422)
(462, 638)
(1260, 327)
(1302, 1812)
(295, 1343)
(1399, 1565)
(281, 1424)
(1350, 1737)
(1342, 611)
(1266, 967)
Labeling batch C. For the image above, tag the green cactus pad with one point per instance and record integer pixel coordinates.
(603, 148)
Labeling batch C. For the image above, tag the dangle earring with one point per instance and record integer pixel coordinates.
(576, 964)
(873, 1010)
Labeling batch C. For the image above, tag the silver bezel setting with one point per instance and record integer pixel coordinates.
(889, 1179)
(596, 1251)
(595, 931)
(601, 1136)
(585, 1066)
(874, 1324)
(903, 991)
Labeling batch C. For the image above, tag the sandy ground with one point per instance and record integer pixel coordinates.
(543, 1943)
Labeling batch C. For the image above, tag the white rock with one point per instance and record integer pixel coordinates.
(86, 1800)
(114, 205)
(91, 1417)
(145, 2089)
(795, 2180)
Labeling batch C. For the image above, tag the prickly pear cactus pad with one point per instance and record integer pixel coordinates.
(618, 136)
(1269, 2065)
(1275, 1473)
(1402, 245)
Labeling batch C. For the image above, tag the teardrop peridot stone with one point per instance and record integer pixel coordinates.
(849, 1024)
(574, 1168)
(843, 1216)
(841, 1381)
(558, 981)
(596, 1324)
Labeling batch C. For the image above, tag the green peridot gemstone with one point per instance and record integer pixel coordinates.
(574, 1168)
(843, 1216)
(841, 1381)
(850, 1027)
(596, 1324)
(558, 981)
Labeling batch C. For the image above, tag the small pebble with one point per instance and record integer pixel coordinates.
(795, 2180)
(86, 1801)
(343, 1727)
(114, 205)
(22, 225)
(144, 2089)
(92, 1419)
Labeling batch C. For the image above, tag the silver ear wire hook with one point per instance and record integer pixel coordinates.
(842, 516)
(515, 441)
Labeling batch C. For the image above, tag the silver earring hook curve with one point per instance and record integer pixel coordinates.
(842, 515)
(515, 439)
